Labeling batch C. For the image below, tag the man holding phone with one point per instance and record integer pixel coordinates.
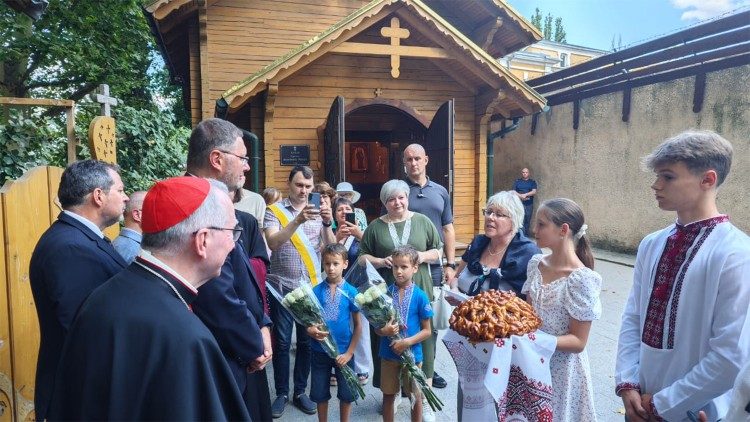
(297, 227)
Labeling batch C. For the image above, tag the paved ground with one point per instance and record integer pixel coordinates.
(617, 272)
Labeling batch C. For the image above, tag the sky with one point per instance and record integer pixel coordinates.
(593, 23)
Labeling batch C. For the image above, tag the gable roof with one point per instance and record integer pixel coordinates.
(366, 16)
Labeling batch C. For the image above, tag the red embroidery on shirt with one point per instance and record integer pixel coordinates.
(670, 273)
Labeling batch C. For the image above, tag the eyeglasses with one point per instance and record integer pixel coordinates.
(495, 214)
(245, 159)
(236, 231)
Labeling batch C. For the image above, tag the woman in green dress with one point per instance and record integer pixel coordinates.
(398, 227)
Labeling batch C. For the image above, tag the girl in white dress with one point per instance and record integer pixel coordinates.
(564, 291)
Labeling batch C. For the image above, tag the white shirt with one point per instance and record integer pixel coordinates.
(712, 328)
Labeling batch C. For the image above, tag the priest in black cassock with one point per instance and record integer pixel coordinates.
(136, 351)
(231, 305)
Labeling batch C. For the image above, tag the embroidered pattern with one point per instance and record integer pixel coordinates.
(402, 305)
(525, 397)
(627, 386)
(331, 306)
(670, 273)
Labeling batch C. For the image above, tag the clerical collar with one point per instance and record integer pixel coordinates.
(187, 291)
(86, 222)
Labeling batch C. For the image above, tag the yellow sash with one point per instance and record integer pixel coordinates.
(299, 239)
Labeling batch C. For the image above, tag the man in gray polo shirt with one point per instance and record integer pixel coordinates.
(431, 199)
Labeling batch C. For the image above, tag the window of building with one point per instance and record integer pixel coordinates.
(563, 59)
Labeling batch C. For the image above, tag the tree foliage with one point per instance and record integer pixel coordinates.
(150, 146)
(560, 34)
(547, 31)
(550, 31)
(74, 47)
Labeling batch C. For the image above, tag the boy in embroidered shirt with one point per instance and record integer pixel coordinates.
(342, 317)
(686, 329)
(414, 308)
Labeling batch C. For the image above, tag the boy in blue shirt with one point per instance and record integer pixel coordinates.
(414, 308)
(342, 317)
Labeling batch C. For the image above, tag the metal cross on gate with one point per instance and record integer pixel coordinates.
(395, 33)
(104, 99)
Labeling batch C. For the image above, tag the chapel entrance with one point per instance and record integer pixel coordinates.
(363, 145)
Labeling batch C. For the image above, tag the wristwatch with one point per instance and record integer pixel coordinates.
(451, 265)
(327, 224)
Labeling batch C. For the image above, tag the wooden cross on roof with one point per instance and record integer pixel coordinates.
(395, 33)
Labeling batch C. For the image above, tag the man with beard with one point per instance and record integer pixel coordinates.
(231, 305)
(71, 259)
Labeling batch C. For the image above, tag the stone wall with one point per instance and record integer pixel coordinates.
(598, 165)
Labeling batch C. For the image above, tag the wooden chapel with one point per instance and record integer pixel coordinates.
(352, 83)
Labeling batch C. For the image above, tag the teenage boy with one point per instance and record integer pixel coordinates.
(413, 307)
(342, 317)
(685, 330)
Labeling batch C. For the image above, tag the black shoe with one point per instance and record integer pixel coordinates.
(438, 381)
(304, 404)
(277, 408)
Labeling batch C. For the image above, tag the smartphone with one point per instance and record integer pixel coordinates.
(314, 199)
(350, 217)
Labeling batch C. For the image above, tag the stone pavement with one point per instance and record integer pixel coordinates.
(617, 273)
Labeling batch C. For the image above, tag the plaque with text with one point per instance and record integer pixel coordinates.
(295, 155)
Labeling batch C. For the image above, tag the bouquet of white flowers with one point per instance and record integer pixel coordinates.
(306, 310)
(377, 306)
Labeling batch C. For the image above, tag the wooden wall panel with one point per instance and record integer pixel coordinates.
(6, 368)
(24, 200)
(303, 101)
(246, 35)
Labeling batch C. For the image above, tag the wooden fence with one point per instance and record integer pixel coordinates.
(28, 206)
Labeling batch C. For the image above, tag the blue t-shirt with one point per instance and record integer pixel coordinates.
(418, 309)
(337, 311)
(525, 186)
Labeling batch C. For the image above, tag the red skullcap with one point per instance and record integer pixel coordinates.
(171, 201)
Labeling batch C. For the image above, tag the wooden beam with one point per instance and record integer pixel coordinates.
(206, 110)
(388, 50)
(714, 27)
(668, 56)
(457, 76)
(44, 102)
(626, 97)
(268, 123)
(471, 63)
(236, 99)
(534, 122)
(568, 96)
(699, 93)
(486, 32)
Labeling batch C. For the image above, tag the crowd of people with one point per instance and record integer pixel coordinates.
(174, 320)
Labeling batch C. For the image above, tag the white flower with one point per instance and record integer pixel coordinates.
(383, 287)
(360, 299)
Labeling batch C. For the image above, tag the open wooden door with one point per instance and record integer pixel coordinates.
(333, 140)
(439, 146)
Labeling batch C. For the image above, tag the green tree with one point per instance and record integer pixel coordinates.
(547, 27)
(74, 47)
(559, 31)
(536, 19)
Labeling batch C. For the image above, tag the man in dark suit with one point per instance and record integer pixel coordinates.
(71, 259)
(231, 305)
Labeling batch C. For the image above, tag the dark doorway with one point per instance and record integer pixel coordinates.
(371, 139)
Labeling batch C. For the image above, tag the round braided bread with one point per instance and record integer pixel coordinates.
(494, 314)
